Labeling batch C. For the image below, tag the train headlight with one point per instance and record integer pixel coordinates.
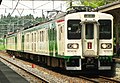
(73, 46)
(106, 45)
(103, 46)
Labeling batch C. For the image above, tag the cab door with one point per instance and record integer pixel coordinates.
(90, 40)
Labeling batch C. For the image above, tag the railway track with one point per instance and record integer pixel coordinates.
(10, 63)
(103, 79)
(57, 78)
(100, 79)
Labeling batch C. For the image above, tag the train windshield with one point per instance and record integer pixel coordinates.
(74, 29)
(89, 31)
(105, 29)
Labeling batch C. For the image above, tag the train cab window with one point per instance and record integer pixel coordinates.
(74, 29)
(89, 31)
(105, 29)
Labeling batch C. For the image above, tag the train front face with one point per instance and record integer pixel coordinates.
(89, 41)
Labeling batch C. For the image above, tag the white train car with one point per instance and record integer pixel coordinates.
(74, 41)
(89, 35)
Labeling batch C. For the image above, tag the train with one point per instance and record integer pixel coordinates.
(74, 41)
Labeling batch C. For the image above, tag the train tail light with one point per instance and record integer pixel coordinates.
(89, 45)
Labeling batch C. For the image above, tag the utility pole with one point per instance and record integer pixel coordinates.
(70, 3)
(53, 4)
(0, 2)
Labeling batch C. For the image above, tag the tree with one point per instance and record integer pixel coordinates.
(14, 23)
(94, 3)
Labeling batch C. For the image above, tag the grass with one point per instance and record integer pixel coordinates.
(2, 47)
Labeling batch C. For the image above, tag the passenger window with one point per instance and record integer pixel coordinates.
(32, 37)
(40, 36)
(35, 37)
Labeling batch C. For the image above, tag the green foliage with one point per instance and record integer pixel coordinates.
(13, 23)
(94, 3)
(2, 47)
(1, 40)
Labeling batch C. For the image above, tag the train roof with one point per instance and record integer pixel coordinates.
(98, 14)
(59, 15)
(75, 9)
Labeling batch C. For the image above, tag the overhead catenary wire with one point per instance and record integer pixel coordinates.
(15, 7)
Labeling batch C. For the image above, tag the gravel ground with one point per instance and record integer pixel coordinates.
(27, 76)
(49, 75)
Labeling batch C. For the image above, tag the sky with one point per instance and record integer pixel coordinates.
(27, 7)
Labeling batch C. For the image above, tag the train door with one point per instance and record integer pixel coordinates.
(52, 32)
(90, 39)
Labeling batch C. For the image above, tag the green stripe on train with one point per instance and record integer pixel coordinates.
(52, 36)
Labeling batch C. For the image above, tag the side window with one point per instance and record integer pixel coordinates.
(32, 37)
(40, 36)
(27, 37)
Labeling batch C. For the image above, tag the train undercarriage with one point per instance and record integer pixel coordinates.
(87, 65)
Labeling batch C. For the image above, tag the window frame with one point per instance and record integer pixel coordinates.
(73, 35)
